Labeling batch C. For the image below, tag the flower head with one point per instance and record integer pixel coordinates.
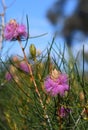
(8, 76)
(24, 66)
(15, 31)
(63, 112)
(56, 83)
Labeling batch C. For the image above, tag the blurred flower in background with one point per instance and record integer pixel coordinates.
(8, 76)
(23, 66)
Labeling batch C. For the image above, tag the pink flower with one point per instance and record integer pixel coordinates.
(56, 83)
(21, 30)
(24, 67)
(63, 112)
(15, 31)
(8, 76)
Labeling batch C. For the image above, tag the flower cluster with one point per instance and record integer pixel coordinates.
(15, 31)
(56, 83)
(22, 65)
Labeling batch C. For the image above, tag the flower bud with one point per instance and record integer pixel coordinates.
(8, 76)
(81, 96)
(33, 51)
(15, 59)
(55, 74)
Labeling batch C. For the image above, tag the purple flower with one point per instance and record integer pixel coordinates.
(14, 31)
(8, 76)
(24, 67)
(63, 112)
(56, 83)
(22, 31)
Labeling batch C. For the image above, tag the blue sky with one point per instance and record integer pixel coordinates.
(38, 24)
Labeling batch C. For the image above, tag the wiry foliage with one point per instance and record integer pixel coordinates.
(20, 103)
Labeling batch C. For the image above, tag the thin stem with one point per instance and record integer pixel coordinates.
(35, 85)
(59, 107)
(76, 123)
(83, 74)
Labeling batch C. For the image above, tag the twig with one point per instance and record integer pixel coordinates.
(2, 15)
(35, 85)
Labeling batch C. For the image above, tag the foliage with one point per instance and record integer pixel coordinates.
(23, 106)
